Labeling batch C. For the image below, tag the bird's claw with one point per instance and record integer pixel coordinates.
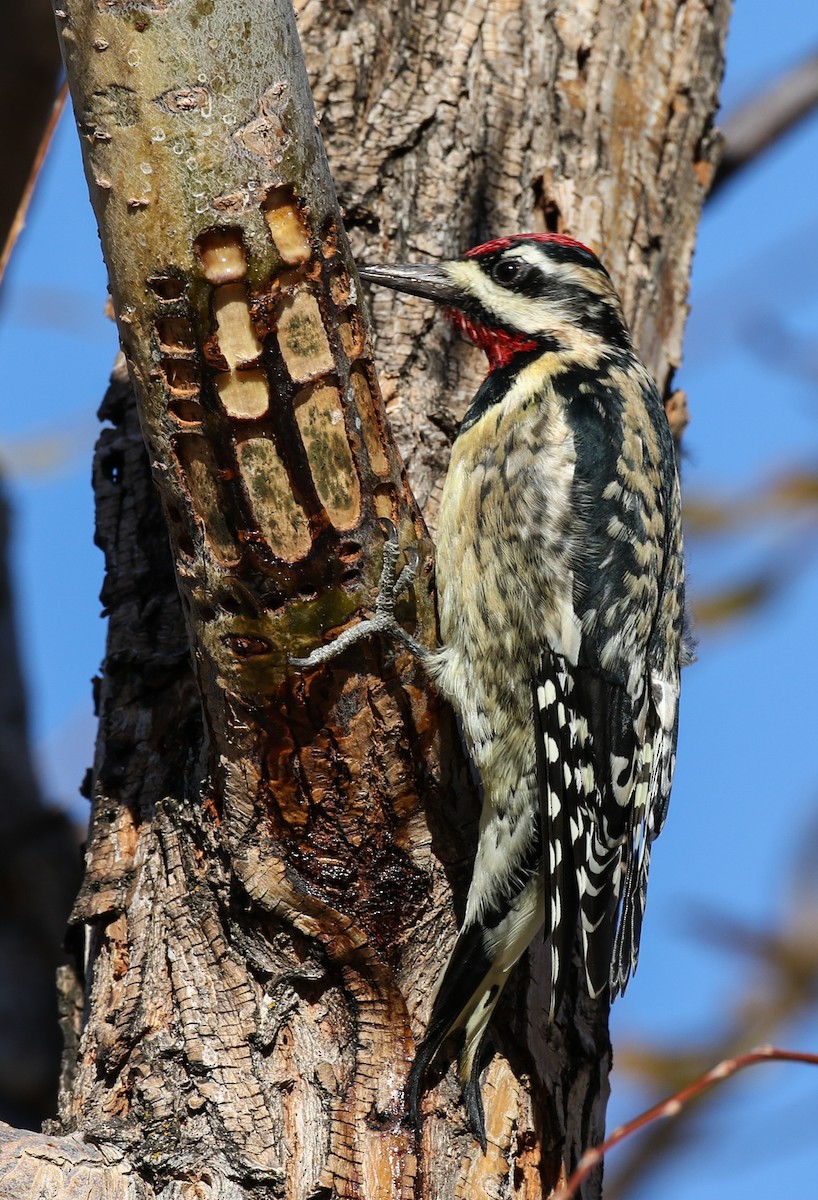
(407, 575)
(383, 623)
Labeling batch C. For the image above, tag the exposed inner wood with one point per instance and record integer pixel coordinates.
(320, 419)
(287, 227)
(302, 338)
(222, 255)
(281, 518)
(243, 393)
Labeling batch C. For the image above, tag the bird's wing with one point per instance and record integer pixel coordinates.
(595, 780)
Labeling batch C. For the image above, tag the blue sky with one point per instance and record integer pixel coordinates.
(747, 782)
(748, 773)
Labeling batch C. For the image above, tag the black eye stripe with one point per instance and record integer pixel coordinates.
(577, 255)
(506, 269)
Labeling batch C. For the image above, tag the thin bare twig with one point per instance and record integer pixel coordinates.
(18, 224)
(765, 118)
(673, 1104)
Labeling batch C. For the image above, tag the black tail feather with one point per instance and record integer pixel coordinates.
(426, 1051)
(467, 968)
(629, 931)
(472, 1098)
(473, 1101)
(600, 865)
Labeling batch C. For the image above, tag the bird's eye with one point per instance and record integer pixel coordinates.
(506, 270)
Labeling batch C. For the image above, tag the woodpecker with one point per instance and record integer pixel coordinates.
(560, 587)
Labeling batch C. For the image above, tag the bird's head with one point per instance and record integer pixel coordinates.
(524, 292)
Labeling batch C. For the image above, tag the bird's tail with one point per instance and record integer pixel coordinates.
(635, 886)
(467, 995)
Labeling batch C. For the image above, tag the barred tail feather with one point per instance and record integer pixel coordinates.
(564, 770)
(634, 894)
(599, 874)
(650, 808)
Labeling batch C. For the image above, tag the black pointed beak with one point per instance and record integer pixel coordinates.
(418, 279)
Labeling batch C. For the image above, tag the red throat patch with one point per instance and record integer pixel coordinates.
(499, 346)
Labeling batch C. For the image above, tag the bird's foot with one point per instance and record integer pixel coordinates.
(383, 623)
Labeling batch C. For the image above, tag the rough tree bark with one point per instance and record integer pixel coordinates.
(276, 863)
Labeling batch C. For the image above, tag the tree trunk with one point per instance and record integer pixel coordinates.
(277, 863)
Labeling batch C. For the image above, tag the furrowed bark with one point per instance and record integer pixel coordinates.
(267, 904)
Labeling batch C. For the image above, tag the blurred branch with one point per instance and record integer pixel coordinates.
(787, 988)
(736, 599)
(791, 500)
(19, 219)
(29, 68)
(756, 588)
(765, 118)
(48, 450)
(792, 493)
(673, 1105)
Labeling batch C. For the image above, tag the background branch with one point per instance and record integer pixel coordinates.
(673, 1105)
(765, 118)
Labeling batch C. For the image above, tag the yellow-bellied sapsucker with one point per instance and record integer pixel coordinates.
(560, 585)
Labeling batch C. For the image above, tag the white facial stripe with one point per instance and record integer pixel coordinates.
(517, 311)
(564, 272)
(531, 316)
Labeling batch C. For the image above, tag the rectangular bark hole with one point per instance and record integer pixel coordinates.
(349, 552)
(166, 287)
(349, 329)
(211, 500)
(302, 338)
(329, 238)
(181, 375)
(370, 425)
(179, 531)
(186, 410)
(244, 394)
(320, 419)
(236, 334)
(286, 225)
(339, 287)
(222, 255)
(278, 512)
(386, 502)
(176, 334)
